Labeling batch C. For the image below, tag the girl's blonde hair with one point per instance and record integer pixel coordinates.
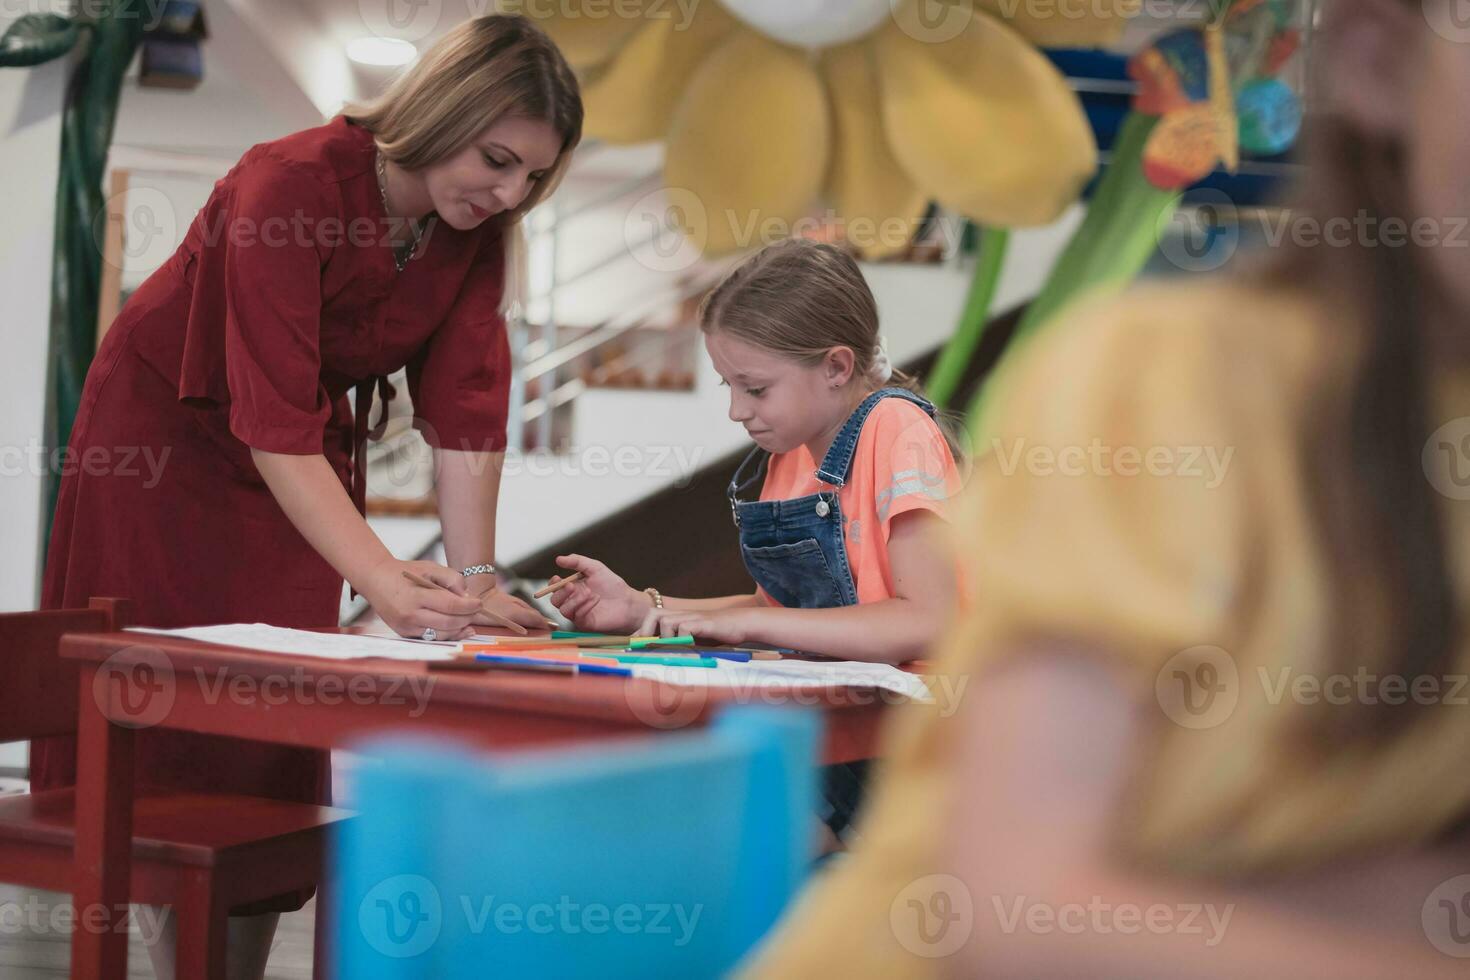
(800, 298)
(484, 69)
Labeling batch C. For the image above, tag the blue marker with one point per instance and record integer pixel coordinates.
(552, 664)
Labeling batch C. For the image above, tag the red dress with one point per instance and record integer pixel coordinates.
(282, 298)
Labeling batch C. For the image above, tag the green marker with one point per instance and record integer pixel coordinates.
(662, 641)
(657, 661)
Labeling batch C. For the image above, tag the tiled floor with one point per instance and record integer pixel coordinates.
(34, 946)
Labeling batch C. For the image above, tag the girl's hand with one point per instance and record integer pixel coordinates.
(601, 602)
(727, 626)
(409, 609)
(513, 609)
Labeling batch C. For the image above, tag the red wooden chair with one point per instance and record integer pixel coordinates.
(201, 854)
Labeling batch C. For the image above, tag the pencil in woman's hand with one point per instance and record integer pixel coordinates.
(558, 586)
(427, 583)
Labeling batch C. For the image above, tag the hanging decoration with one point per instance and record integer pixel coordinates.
(864, 111)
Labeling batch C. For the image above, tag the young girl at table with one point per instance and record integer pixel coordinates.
(839, 503)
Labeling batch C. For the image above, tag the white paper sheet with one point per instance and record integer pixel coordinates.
(753, 676)
(305, 643)
(805, 674)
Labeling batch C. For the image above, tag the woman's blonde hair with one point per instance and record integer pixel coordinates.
(484, 69)
(800, 298)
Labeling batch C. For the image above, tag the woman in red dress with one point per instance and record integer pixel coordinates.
(322, 262)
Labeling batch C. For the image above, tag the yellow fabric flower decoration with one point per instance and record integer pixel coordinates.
(874, 106)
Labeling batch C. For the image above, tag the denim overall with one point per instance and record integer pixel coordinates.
(794, 549)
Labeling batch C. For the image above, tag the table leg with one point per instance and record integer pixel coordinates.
(104, 839)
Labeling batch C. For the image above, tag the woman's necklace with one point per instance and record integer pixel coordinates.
(400, 255)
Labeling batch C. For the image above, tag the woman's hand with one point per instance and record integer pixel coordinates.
(409, 609)
(513, 609)
(727, 626)
(601, 602)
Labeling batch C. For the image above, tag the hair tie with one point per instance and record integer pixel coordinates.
(882, 369)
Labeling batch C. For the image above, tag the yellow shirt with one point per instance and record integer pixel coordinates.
(1145, 490)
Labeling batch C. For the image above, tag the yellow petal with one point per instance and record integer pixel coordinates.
(748, 144)
(878, 203)
(1064, 23)
(633, 98)
(588, 32)
(984, 123)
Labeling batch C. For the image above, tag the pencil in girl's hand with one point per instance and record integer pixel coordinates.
(558, 586)
(431, 584)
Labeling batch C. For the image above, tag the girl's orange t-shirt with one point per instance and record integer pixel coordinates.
(901, 464)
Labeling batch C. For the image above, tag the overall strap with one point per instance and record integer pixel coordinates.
(837, 464)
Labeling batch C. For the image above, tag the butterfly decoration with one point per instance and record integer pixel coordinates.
(1216, 93)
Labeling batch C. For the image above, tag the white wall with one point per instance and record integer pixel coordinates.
(30, 150)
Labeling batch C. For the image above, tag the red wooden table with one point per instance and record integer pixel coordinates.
(131, 681)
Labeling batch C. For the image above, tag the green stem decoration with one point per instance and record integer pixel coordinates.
(1116, 239)
(108, 38)
(949, 369)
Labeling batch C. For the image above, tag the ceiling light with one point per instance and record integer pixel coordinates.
(388, 51)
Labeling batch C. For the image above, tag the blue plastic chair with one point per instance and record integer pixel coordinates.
(665, 858)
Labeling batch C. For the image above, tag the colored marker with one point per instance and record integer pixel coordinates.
(579, 668)
(663, 641)
(658, 661)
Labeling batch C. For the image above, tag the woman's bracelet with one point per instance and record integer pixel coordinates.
(485, 569)
(658, 600)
